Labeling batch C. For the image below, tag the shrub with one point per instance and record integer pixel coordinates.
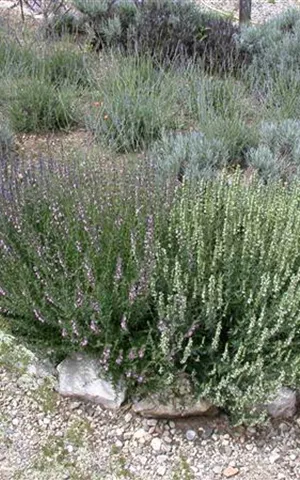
(65, 65)
(273, 46)
(85, 253)
(66, 23)
(15, 59)
(223, 112)
(36, 105)
(135, 105)
(165, 30)
(190, 155)
(278, 154)
(205, 280)
(6, 137)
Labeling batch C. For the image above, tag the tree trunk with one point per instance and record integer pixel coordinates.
(245, 11)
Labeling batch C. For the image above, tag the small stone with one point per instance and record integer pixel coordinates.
(167, 439)
(172, 424)
(128, 417)
(15, 422)
(152, 422)
(139, 434)
(217, 470)
(283, 427)
(143, 460)
(156, 444)
(162, 458)
(249, 447)
(161, 470)
(46, 421)
(119, 444)
(230, 472)
(191, 435)
(293, 456)
(69, 448)
(274, 457)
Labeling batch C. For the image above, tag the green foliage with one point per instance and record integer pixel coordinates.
(15, 59)
(36, 105)
(135, 105)
(65, 23)
(278, 153)
(6, 137)
(273, 46)
(164, 30)
(65, 65)
(190, 155)
(227, 289)
(222, 110)
(90, 255)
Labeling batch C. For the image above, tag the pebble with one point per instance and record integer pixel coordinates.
(69, 448)
(274, 457)
(119, 444)
(191, 435)
(217, 470)
(139, 434)
(156, 444)
(152, 422)
(230, 472)
(15, 422)
(128, 418)
(161, 470)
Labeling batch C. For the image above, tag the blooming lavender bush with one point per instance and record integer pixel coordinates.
(76, 246)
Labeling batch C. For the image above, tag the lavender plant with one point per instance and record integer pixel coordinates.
(76, 249)
(135, 104)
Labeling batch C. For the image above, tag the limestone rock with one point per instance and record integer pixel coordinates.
(284, 404)
(80, 377)
(176, 401)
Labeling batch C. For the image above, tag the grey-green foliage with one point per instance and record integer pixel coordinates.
(6, 136)
(188, 154)
(222, 110)
(278, 153)
(273, 46)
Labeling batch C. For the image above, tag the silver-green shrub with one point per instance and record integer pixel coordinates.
(278, 153)
(191, 155)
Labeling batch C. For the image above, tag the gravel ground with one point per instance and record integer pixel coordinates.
(44, 436)
(262, 10)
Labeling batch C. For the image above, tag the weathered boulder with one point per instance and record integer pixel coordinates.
(177, 401)
(80, 377)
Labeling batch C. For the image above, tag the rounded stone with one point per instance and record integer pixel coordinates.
(191, 435)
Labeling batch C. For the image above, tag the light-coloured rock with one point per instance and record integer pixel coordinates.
(156, 444)
(191, 435)
(161, 470)
(230, 472)
(174, 402)
(284, 404)
(80, 377)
